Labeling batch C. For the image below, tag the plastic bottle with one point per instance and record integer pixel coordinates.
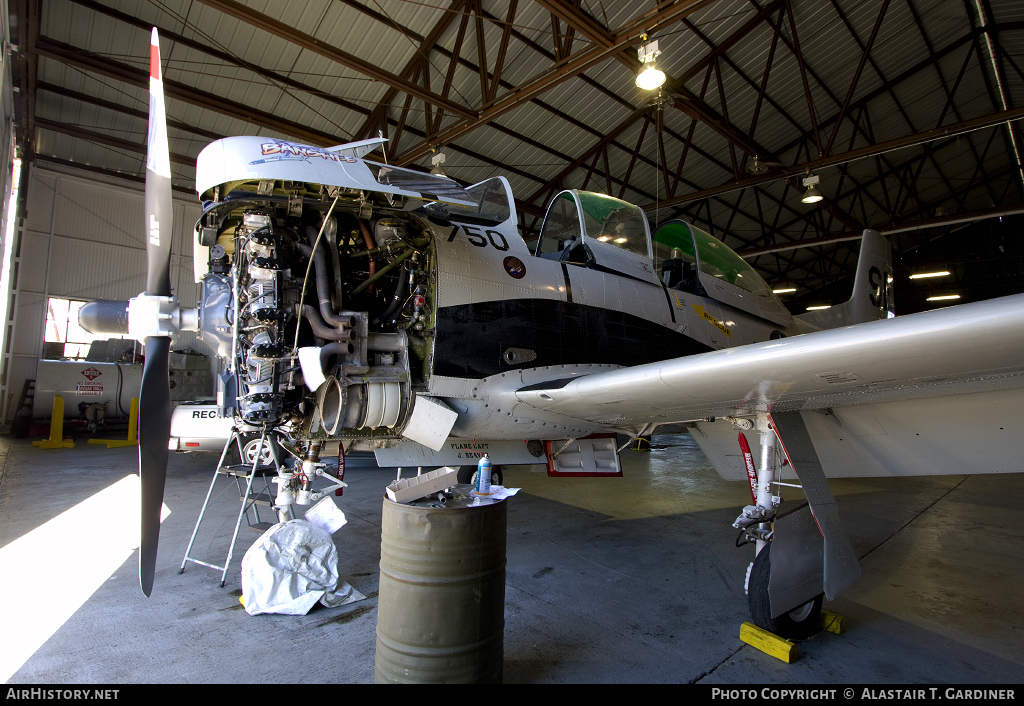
(483, 475)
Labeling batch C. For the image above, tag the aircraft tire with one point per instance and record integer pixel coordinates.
(799, 623)
(249, 444)
(467, 475)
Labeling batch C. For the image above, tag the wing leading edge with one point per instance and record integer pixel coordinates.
(969, 348)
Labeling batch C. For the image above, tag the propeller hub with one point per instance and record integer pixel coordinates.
(159, 316)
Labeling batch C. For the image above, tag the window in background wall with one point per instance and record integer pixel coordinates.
(62, 327)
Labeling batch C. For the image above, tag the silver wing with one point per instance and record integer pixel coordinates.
(930, 393)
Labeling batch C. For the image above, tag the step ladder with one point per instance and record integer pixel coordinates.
(250, 502)
(23, 412)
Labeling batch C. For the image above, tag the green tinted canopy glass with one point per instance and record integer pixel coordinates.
(713, 257)
(676, 234)
(614, 221)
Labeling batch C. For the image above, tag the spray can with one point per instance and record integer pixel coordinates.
(483, 475)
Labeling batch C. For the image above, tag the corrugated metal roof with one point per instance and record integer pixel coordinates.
(580, 110)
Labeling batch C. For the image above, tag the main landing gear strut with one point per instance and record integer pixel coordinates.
(787, 603)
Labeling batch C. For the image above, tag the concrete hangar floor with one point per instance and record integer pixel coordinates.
(632, 579)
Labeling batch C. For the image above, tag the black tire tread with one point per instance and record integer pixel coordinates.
(760, 604)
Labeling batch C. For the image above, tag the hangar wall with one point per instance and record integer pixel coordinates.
(6, 140)
(82, 237)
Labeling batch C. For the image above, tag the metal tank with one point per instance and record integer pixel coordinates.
(441, 606)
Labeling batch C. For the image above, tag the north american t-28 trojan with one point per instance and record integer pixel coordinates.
(361, 306)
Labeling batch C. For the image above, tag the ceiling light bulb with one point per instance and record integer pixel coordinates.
(650, 77)
(812, 195)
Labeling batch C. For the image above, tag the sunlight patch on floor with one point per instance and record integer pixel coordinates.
(54, 569)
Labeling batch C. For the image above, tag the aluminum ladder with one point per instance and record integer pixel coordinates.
(249, 502)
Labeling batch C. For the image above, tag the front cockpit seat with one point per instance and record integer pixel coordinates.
(682, 275)
(671, 273)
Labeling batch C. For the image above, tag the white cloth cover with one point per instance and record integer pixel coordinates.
(291, 567)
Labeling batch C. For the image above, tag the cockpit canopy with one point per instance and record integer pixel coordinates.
(697, 262)
(597, 231)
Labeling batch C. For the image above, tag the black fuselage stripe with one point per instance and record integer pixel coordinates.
(471, 339)
(671, 309)
(568, 284)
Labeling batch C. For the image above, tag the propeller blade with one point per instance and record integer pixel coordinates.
(155, 396)
(158, 183)
(154, 426)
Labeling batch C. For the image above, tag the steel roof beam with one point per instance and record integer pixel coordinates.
(381, 107)
(95, 63)
(856, 76)
(312, 44)
(859, 153)
(732, 39)
(105, 139)
(936, 222)
(579, 20)
(125, 110)
(110, 172)
(557, 75)
(26, 69)
(685, 100)
(892, 227)
(204, 47)
(909, 73)
(414, 65)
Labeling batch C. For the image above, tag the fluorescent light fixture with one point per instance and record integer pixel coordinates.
(923, 275)
(942, 298)
(620, 240)
(784, 290)
(605, 238)
(819, 307)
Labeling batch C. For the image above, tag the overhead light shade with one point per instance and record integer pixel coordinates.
(650, 77)
(438, 161)
(812, 195)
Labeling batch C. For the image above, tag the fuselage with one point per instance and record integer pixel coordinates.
(508, 319)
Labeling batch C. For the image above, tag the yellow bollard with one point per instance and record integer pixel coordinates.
(133, 430)
(56, 440)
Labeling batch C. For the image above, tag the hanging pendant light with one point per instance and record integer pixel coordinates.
(438, 161)
(812, 195)
(649, 76)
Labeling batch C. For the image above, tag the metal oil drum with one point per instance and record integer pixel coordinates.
(441, 606)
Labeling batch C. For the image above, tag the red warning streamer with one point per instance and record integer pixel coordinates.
(748, 461)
